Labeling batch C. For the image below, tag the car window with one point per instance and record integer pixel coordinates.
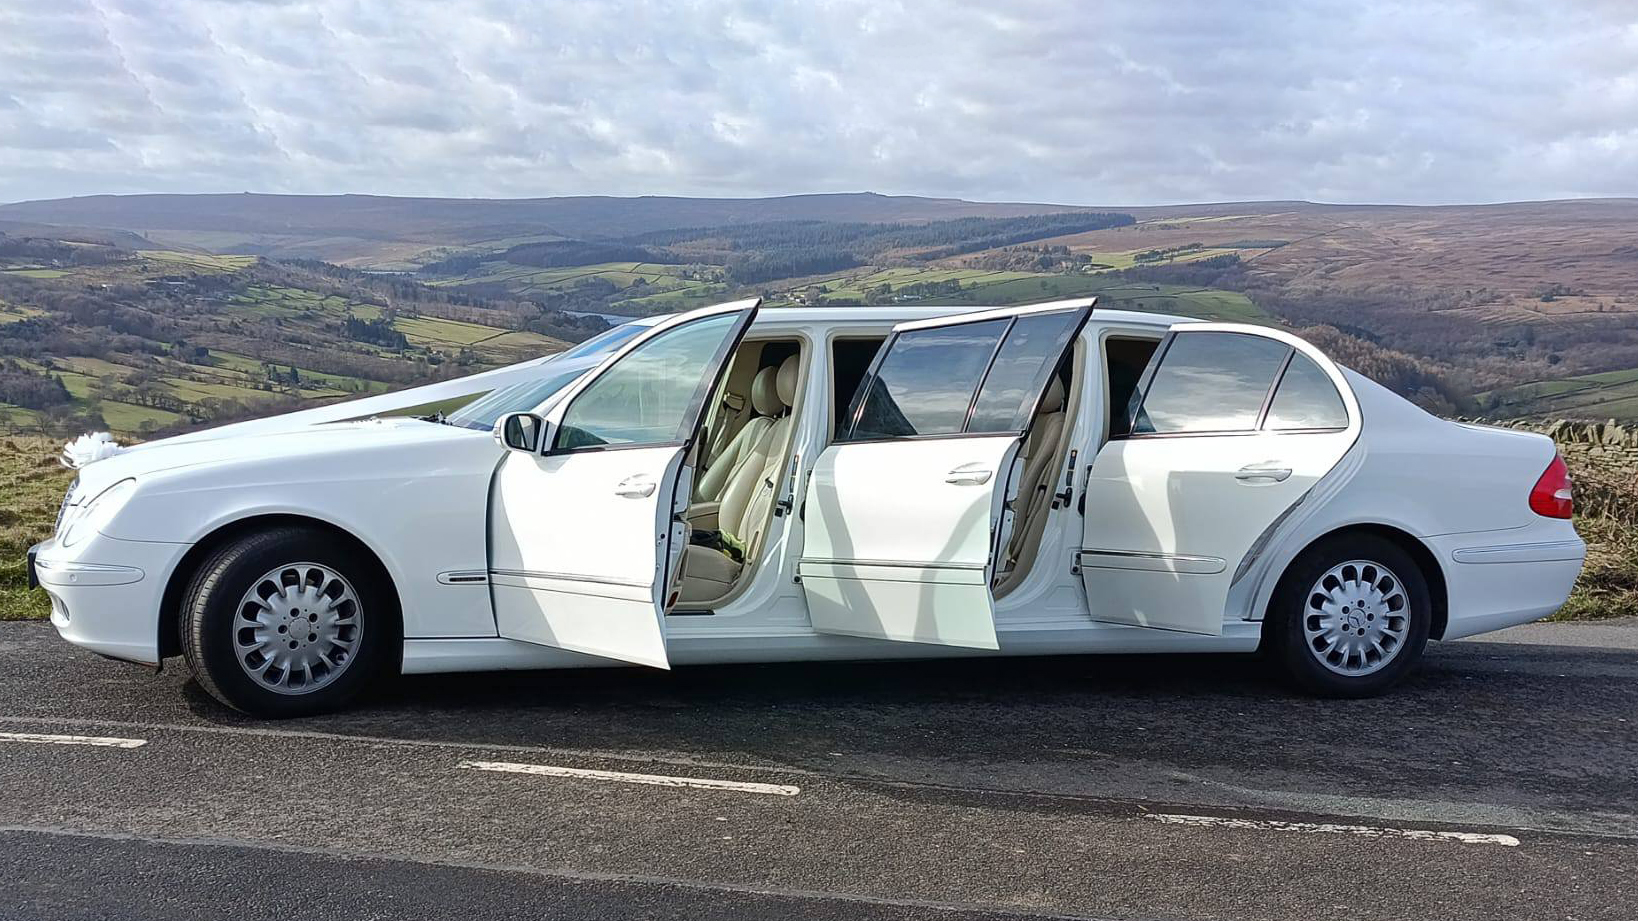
(925, 384)
(1305, 399)
(646, 397)
(1016, 379)
(1209, 382)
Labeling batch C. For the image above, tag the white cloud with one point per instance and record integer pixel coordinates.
(1073, 101)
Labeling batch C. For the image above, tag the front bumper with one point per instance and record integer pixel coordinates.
(106, 593)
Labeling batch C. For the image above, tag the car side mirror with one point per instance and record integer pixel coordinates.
(524, 432)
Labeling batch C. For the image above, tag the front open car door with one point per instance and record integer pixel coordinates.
(1230, 428)
(585, 536)
(903, 512)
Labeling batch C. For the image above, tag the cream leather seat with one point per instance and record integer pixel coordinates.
(1035, 490)
(747, 499)
(765, 405)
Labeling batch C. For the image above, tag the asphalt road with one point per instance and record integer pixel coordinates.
(1501, 782)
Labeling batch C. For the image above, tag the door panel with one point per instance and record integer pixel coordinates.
(584, 539)
(1168, 520)
(574, 551)
(1173, 511)
(899, 539)
(902, 513)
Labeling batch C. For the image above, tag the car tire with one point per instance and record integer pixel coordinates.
(1349, 617)
(288, 621)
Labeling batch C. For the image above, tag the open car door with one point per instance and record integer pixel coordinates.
(585, 532)
(904, 511)
(1230, 427)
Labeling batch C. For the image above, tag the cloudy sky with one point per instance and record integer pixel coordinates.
(1078, 101)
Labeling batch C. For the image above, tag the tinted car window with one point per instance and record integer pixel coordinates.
(1305, 399)
(646, 396)
(1021, 367)
(925, 384)
(1209, 382)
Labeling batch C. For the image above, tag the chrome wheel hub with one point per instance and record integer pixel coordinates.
(297, 628)
(1356, 617)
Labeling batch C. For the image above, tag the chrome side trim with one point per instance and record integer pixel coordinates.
(464, 577)
(1547, 552)
(901, 564)
(58, 572)
(567, 577)
(1150, 562)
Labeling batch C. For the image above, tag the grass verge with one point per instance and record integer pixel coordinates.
(32, 485)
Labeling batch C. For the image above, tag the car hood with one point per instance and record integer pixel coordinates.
(299, 445)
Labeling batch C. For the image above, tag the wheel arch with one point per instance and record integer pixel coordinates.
(1426, 561)
(170, 607)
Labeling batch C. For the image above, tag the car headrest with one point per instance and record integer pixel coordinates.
(765, 393)
(787, 381)
(1054, 400)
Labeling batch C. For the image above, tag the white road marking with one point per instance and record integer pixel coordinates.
(656, 780)
(1369, 831)
(101, 741)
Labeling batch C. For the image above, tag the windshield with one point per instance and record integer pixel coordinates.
(526, 395)
(606, 341)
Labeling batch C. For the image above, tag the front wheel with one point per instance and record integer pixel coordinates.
(286, 622)
(1350, 616)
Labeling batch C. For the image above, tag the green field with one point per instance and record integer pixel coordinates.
(1607, 395)
(987, 288)
(647, 287)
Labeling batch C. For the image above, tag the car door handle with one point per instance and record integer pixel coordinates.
(968, 475)
(1252, 473)
(635, 487)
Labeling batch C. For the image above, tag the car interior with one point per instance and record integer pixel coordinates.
(1043, 484)
(746, 449)
(1124, 358)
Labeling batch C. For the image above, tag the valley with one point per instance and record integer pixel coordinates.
(152, 314)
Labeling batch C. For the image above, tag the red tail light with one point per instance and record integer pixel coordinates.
(1551, 495)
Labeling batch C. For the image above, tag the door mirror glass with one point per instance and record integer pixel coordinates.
(520, 432)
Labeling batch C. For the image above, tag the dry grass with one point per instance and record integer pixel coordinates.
(32, 484)
(1607, 517)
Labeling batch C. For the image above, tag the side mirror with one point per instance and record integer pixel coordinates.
(524, 432)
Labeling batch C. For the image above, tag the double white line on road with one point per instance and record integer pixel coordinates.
(1369, 831)
(654, 780)
(99, 741)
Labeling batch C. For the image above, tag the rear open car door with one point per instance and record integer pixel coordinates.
(1231, 426)
(903, 513)
(585, 536)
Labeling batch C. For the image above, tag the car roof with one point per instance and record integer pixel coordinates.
(892, 314)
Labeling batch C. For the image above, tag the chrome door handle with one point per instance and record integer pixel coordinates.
(968, 475)
(635, 487)
(1265, 471)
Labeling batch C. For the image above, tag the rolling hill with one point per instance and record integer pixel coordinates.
(1511, 309)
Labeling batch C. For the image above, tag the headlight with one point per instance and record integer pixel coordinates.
(68, 502)
(95, 513)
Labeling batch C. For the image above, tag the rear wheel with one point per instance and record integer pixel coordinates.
(1350, 616)
(286, 622)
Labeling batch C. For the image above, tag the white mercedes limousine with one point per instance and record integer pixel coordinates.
(737, 485)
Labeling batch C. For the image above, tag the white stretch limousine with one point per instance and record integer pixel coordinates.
(736, 485)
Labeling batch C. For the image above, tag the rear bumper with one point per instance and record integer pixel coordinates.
(105, 593)
(1494, 584)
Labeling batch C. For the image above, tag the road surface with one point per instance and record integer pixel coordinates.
(1501, 781)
